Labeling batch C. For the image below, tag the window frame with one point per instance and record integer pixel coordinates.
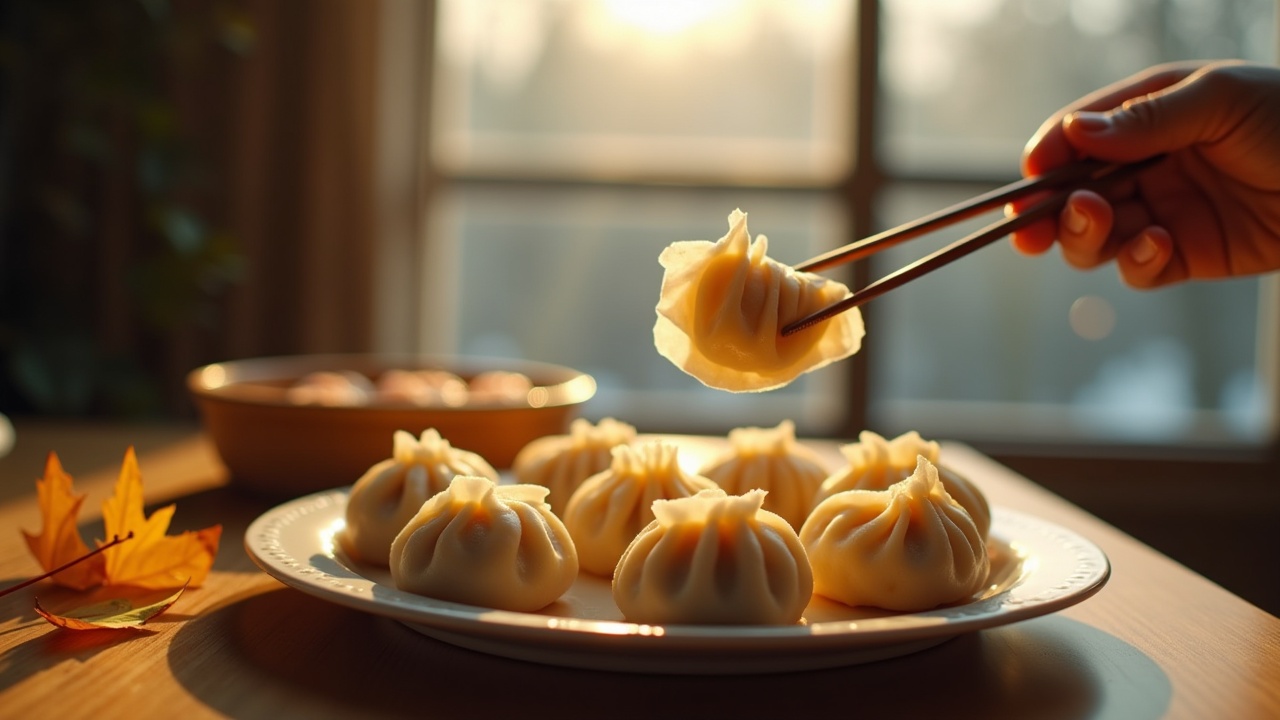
(409, 32)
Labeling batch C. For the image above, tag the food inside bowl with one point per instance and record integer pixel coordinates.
(427, 388)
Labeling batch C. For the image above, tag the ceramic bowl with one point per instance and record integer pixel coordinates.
(273, 445)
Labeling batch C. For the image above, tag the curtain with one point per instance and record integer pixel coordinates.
(300, 193)
(183, 182)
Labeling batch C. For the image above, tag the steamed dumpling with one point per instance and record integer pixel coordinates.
(772, 460)
(422, 387)
(874, 463)
(562, 462)
(724, 304)
(390, 492)
(501, 387)
(714, 559)
(910, 547)
(611, 507)
(331, 388)
(496, 546)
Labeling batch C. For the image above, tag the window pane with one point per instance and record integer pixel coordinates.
(966, 82)
(571, 276)
(1002, 346)
(726, 90)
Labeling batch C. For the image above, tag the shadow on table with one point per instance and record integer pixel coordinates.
(48, 647)
(331, 661)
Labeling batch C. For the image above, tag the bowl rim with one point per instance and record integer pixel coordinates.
(244, 381)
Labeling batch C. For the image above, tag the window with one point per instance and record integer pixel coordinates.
(578, 139)
(572, 140)
(718, 91)
(1004, 346)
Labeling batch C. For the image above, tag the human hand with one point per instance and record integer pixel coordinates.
(1210, 210)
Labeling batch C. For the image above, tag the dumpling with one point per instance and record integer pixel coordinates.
(335, 389)
(714, 559)
(422, 387)
(500, 387)
(910, 547)
(772, 460)
(496, 546)
(607, 511)
(724, 304)
(874, 463)
(389, 493)
(562, 462)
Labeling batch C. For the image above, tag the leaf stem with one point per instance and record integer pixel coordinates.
(115, 540)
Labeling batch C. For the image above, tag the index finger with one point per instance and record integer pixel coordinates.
(1049, 148)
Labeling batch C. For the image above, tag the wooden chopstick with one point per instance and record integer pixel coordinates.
(1090, 174)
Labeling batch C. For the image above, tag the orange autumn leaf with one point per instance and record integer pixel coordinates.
(152, 559)
(59, 540)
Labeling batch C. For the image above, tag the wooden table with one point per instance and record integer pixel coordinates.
(1158, 641)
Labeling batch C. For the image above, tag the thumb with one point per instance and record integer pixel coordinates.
(1177, 117)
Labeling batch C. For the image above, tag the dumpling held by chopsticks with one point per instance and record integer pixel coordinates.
(723, 307)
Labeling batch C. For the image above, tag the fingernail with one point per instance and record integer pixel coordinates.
(1144, 249)
(1090, 122)
(1075, 221)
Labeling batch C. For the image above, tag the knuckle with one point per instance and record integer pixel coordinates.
(1080, 260)
(1220, 82)
(1141, 112)
(1137, 280)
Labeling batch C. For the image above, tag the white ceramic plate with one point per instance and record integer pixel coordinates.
(1037, 568)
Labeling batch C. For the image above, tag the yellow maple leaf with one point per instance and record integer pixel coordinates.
(59, 539)
(151, 559)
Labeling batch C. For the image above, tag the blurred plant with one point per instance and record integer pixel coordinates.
(106, 245)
